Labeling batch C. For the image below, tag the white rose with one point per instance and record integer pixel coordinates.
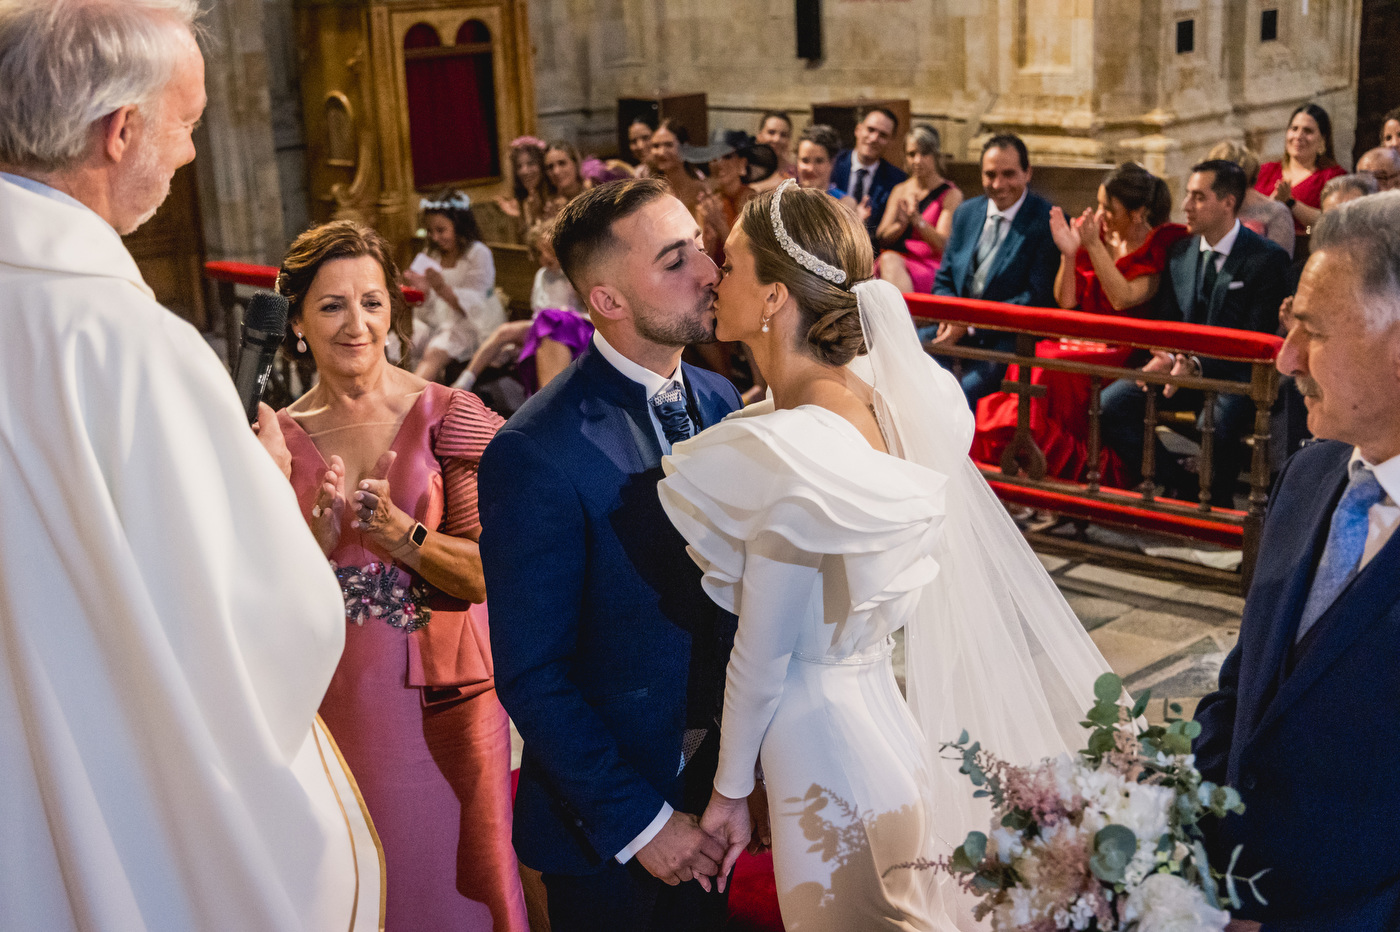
(1147, 812)
(1166, 903)
(1009, 845)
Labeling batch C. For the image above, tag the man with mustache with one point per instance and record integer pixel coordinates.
(1302, 722)
(1224, 275)
(609, 656)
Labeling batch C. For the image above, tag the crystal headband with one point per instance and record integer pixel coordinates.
(801, 256)
(455, 202)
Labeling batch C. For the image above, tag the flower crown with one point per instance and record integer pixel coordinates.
(801, 256)
(457, 201)
(523, 142)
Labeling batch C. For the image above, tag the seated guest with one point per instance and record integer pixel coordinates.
(457, 275)
(1390, 129)
(817, 149)
(531, 187)
(1223, 275)
(1000, 250)
(1262, 214)
(384, 468)
(918, 217)
(727, 159)
(667, 164)
(775, 132)
(564, 167)
(1382, 164)
(639, 145)
(1344, 188)
(862, 172)
(1308, 163)
(1112, 257)
(553, 337)
(1301, 721)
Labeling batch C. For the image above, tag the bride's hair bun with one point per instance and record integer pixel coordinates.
(830, 231)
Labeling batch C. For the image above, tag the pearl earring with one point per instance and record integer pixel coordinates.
(301, 343)
(764, 328)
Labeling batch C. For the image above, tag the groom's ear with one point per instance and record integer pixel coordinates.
(607, 301)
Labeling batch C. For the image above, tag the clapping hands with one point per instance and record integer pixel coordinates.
(329, 508)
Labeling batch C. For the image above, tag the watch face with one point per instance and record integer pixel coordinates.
(418, 535)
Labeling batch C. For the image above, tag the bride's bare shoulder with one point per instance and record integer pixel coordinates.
(848, 403)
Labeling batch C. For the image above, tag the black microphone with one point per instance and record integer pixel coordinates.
(264, 325)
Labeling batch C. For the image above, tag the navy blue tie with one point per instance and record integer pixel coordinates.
(669, 405)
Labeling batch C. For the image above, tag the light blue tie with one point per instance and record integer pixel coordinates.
(1346, 541)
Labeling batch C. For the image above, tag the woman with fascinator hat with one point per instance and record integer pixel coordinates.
(828, 518)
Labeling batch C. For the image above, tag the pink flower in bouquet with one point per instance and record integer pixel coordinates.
(1036, 790)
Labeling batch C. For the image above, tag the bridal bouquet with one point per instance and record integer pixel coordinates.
(1107, 840)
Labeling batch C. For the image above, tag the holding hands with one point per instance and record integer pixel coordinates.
(1172, 364)
(682, 851)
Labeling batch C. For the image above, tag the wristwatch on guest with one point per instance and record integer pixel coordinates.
(418, 535)
(1290, 202)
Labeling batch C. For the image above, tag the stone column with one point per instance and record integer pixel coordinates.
(239, 191)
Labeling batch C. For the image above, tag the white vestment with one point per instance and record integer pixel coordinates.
(168, 624)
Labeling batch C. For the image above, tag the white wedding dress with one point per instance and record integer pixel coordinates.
(824, 547)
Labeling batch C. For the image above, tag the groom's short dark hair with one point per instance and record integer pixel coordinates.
(583, 229)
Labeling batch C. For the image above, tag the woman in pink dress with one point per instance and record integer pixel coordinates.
(384, 467)
(918, 217)
(1308, 164)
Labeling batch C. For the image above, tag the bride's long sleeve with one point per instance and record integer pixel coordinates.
(779, 581)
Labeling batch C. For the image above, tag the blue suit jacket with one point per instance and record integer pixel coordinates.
(886, 177)
(599, 628)
(1023, 269)
(1314, 752)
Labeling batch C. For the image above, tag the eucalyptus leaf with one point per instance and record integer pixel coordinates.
(1140, 706)
(1108, 687)
(975, 847)
(1114, 847)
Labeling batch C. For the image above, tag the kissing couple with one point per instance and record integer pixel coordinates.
(692, 606)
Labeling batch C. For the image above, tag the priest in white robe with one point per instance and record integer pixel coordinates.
(168, 625)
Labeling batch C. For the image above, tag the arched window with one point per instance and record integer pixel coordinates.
(451, 105)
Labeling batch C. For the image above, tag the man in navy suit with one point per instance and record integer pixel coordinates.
(609, 657)
(1305, 721)
(1225, 275)
(1000, 250)
(862, 172)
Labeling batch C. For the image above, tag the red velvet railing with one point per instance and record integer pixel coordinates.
(263, 276)
(1217, 342)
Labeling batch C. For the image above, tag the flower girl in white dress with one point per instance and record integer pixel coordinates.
(827, 519)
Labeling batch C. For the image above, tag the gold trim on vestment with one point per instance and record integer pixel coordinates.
(369, 822)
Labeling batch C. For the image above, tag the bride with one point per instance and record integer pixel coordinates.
(827, 519)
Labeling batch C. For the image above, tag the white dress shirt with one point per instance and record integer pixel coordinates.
(1222, 248)
(652, 383)
(1385, 514)
(644, 377)
(856, 166)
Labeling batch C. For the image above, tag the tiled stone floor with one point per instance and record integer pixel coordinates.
(1159, 634)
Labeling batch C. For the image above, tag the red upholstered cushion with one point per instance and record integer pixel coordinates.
(1216, 342)
(265, 276)
(753, 895)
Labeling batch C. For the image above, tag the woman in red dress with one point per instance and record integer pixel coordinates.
(1307, 165)
(384, 467)
(1112, 260)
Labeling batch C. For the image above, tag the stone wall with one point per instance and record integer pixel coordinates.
(1087, 82)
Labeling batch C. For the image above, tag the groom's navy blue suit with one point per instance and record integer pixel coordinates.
(1311, 737)
(606, 648)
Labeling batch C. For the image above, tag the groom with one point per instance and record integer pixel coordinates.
(609, 656)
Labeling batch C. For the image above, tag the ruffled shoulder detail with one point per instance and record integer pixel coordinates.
(808, 476)
(466, 428)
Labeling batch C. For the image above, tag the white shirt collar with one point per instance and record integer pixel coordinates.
(1387, 473)
(643, 376)
(38, 187)
(1227, 242)
(1010, 212)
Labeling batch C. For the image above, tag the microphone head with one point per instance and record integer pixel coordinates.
(267, 313)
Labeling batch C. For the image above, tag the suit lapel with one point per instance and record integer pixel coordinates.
(613, 393)
(1185, 274)
(1237, 257)
(1289, 595)
(1369, 599)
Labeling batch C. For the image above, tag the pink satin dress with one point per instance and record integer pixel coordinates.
(415, 710)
